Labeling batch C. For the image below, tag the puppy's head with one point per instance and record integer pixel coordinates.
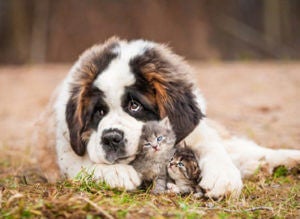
(118, 86)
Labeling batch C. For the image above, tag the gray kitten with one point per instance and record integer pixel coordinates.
(184, 170)
(155, 150)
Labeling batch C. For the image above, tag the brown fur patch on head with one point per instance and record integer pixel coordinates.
(157, 81)
(91, 63)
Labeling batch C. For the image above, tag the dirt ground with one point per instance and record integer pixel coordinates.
(258, 100)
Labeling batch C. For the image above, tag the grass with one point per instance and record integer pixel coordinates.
(24, 195)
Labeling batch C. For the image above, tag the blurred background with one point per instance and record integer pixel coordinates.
(39, 31)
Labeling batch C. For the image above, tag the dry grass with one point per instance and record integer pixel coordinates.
(23, 194)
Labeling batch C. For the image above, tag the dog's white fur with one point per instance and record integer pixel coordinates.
(252, 156)
(116, 117)
(223, 160)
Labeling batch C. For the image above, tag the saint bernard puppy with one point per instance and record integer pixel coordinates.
(95, 118)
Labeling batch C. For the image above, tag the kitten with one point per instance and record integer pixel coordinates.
(184, 170)
(155, 150)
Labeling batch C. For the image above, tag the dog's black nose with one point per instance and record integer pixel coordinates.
(112, 138)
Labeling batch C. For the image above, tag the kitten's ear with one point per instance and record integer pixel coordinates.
(182, 145)
(166, 123)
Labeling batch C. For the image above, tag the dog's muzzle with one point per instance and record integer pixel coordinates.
(113, 144)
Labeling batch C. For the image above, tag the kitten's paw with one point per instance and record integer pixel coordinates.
(220, 179)
(118, 176)
(198, 195)
(172, 188)
(157, 191)
(159, 186)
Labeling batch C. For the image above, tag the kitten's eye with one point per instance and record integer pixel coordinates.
(134, 106)
(180, 164)
(160, 138)
(147, 145)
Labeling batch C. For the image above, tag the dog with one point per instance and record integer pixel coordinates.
(95, 118)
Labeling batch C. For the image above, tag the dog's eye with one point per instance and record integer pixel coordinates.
(134, 106)
(96, 117)
(100, 113)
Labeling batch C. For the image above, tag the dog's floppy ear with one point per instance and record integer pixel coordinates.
(173, 92)
(74, 117)
(181, 108)
(175, 99)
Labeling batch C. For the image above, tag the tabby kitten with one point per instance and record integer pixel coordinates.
(184, 170)
(155, 150)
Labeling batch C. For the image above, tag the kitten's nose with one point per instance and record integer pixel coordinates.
(155, 147)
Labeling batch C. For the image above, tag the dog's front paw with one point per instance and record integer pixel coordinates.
(220, 178)
(118, 176)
